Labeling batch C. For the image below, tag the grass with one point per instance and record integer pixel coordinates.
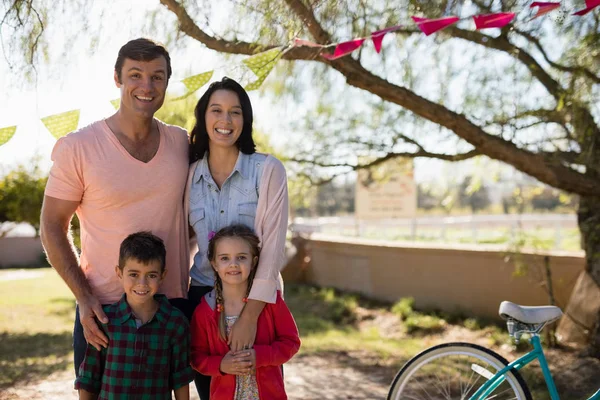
(36, 318)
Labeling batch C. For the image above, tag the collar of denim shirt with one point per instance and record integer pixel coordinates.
(241, 167)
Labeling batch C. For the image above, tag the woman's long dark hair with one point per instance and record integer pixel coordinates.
(199, 136)
(232, 231)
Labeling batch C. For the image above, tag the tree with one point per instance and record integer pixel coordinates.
(21, 194)
(474, 194)
(517, 94)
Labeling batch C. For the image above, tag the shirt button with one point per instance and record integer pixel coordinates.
(222, 211)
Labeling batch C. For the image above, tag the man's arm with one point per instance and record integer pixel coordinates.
(85, 395)
(58, 244)
(182, 393)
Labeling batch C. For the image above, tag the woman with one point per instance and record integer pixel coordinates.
(230, 183)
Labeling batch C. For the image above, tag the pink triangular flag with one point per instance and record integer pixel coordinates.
(544, 7)
(429, 26)
(344, 48)
(307, 43)
(589, 6)
(377, 36)
(497, 20)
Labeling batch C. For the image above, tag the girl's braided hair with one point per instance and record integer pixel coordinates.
(232, 231)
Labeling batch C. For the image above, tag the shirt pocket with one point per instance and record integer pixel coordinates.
(246, 190)
(158, 355)
(247, 213)
(198, 223)
(198, 192)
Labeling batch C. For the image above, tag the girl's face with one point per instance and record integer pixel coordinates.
(224, 119)
(233, 260)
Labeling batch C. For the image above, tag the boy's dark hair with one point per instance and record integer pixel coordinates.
(143, 247)
(199, 136)
(142, 49)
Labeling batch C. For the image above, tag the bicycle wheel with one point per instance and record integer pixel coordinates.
(455, 371)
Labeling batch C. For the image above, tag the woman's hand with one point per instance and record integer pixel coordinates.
(238, 362)
(243, 331)
(243, 334)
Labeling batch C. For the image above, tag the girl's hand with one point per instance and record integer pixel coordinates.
(238, 363)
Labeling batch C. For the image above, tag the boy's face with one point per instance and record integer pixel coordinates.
(140, 281)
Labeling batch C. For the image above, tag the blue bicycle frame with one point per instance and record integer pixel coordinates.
(537, 353)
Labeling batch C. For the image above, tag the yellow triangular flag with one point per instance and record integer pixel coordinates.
(7, 133)
(61, 124)
(256, 84)
(193, 83)
(262, 63)
(116, 103)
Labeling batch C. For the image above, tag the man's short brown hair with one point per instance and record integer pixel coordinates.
(142, 49)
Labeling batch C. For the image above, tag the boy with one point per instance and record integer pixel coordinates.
(148, 352)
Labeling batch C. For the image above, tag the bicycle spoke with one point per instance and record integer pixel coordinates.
(455, 374)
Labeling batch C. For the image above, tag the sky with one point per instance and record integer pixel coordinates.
(85, 82)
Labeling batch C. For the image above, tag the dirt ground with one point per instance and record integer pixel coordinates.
(306, 377)
(344, 376)
(359, 375)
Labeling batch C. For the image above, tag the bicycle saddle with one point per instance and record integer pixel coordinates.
(529, 315)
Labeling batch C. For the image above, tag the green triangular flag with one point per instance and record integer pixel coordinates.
(7, 133)
(116, 103)
(61, 124)
(262, 63)
(256, 84)
(193, 83)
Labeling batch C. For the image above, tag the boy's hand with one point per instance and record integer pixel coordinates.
(238, 363)
(90, 309)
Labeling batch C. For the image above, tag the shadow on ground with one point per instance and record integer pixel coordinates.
(64, 307)
(25, 357)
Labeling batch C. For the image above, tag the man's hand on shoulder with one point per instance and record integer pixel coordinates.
(90, 309)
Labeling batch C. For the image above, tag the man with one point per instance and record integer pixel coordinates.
(119, 175)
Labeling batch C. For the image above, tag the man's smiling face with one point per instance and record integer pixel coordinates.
(143, 86)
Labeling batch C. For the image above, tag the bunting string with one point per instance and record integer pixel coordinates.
(261, 64)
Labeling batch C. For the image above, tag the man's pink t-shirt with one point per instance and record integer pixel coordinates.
(120, 195)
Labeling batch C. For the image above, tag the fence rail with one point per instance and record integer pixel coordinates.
(550, 231)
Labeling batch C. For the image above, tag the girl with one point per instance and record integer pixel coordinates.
(252, 373)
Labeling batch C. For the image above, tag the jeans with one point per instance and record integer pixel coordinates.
(194, 296)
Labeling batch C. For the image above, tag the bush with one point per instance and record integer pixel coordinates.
(424, 324)
(404, 307)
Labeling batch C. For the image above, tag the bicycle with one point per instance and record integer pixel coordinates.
(469, 371)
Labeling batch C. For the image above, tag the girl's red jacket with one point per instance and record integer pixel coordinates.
(277, 341)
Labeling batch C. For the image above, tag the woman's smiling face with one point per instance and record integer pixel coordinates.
(224, 119)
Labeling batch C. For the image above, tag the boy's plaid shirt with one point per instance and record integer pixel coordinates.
(146, 362)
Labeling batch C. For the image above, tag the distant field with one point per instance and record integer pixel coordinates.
(531, 231)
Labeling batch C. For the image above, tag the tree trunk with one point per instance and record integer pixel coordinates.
(588, 218)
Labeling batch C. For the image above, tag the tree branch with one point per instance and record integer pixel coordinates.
(501, 43)
(551, 172)
(390, 156)
(575, 70)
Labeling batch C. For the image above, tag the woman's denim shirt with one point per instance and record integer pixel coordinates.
(212, 209)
